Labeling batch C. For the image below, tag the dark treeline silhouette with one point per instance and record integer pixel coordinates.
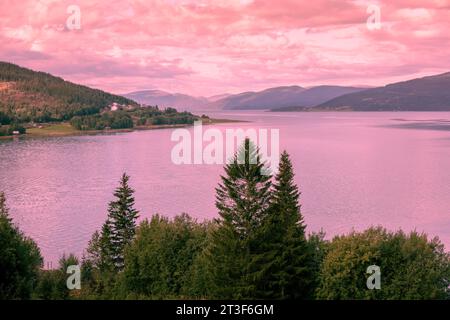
(142, 116)
(256, 249)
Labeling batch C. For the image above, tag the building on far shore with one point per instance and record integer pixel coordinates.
(114, 106)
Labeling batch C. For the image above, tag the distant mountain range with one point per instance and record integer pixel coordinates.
(164, 99)
(273, 97)
(265, 99)
(425, 94)
(281, 97)
(37, 96)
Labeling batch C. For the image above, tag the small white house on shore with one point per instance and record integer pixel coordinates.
(115, 106)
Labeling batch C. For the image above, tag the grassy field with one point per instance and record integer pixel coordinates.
(60, 129)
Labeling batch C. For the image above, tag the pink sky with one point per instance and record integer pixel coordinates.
(211, 47)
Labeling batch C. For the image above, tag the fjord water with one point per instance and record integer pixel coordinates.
(354, 170)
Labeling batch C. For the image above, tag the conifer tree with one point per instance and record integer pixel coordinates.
(243, 200)
(120, 226)
(283, 269)
(243, 197)
(106, 249)
(99, 252)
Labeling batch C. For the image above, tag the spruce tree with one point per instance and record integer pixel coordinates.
(121, 222)
(99, 250)
(243, 200)
(106, 249)
(282, 267)
(243, 197)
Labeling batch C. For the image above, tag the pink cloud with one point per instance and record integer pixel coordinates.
(211, 47)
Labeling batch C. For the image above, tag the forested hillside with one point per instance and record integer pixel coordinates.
(27, 95)
(29, 98)
(423, 94)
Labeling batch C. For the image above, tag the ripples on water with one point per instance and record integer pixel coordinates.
(354, 170)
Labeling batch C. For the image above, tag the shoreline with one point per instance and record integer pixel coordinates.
(349, 111)
(66, 130)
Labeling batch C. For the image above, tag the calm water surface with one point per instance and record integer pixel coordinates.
(354, 170)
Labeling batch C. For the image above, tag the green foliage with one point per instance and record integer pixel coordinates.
(412, 267)
(20, 259)
(113, 120)
(106, 249)
(29, 96)
(243, 201)
(174, 119)
(98, 273)
(120, 226)
(318, 248)
(16, 127)
(52, 284)
(4, 118)
(226, 265)
(11, 129)
(199, 281)
(158, 260)
(41, 97)
(257, 249)
(99, 250)
(4, 131)
(169, 116)
(282, 262)
(122, 119)
(97, 283)
(243, 197)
